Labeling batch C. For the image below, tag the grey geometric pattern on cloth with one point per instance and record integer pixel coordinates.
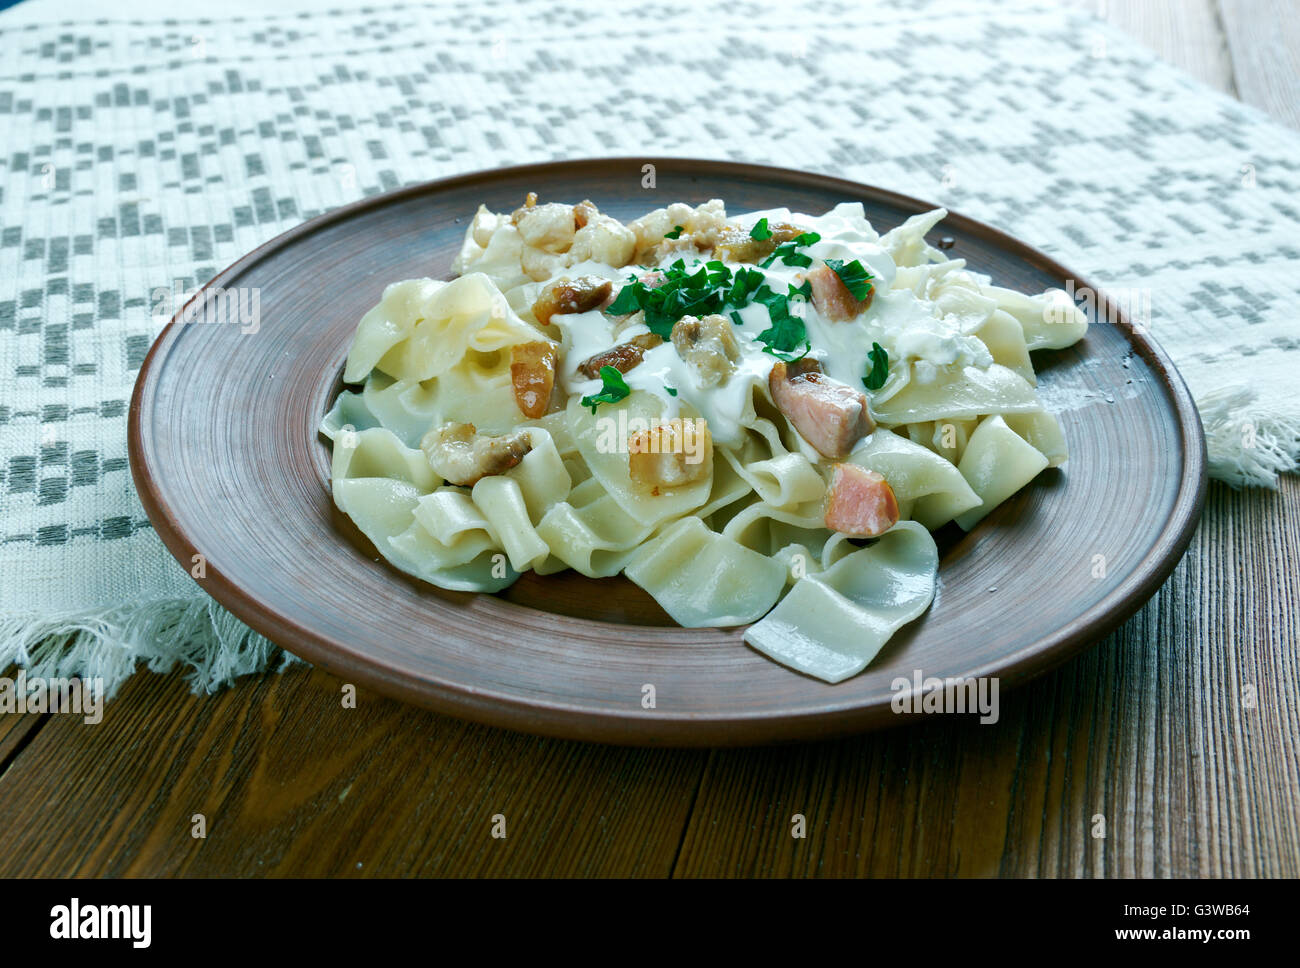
(143, 155)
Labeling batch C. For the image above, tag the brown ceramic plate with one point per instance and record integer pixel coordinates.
(228, 463)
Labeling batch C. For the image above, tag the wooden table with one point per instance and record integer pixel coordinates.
(1154, 730)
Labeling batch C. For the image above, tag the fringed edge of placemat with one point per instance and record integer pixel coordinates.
(1249, 442)
(108, 644)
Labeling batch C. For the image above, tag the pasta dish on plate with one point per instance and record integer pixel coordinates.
(759, 419)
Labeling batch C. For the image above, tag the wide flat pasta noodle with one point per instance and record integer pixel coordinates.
(1050, 320)
(955, 393)
(501, 502)
(515, 502)
(500, 257)
(780, 477)
(702, 578)
(832, 624)
(1005, 339)
(388, 324)
(753, 526)
(349, 413)
(997, 463)
(595, 537)
(467, 318)
(1043, 432)
(906, 243)
(377, 452)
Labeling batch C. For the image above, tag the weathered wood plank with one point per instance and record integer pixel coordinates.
(1264, 38)
(291, 783)
(15, 729)
(1185, 33)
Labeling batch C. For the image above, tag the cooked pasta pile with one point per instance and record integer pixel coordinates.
(757, 419)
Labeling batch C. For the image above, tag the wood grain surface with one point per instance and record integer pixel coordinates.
(1264, 40)
(14, 732)
(1151, 730)
(1186, 33)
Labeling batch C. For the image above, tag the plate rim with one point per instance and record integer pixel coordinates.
(665, 727)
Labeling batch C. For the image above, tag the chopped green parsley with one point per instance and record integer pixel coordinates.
(855, 277)
(614, 389)
(787, 254)
(787, 337)
(879, 372)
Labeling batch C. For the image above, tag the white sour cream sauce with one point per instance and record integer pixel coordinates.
(909, 328)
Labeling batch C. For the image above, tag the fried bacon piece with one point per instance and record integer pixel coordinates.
(565, 295)
(462, 456)
(733, 244)
(709, 345)
(828, 414)
(832, 298)
(860, 502)
(672, 454)
(622, 357)
(532, 373)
